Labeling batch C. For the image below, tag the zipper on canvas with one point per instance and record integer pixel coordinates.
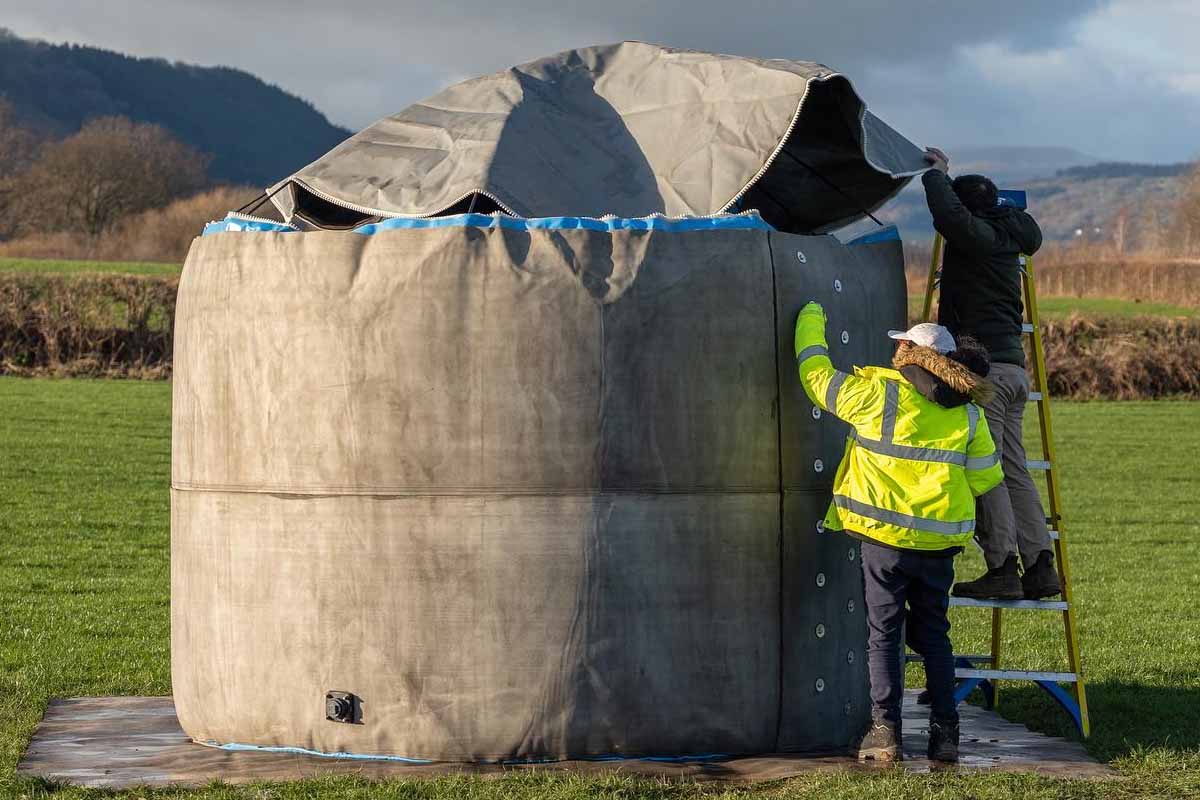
(252, 218)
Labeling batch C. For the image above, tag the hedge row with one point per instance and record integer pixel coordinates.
(121, 326)
(1122, 359)
(86, 325)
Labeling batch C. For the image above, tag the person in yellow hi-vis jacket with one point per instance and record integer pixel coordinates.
(918, 454)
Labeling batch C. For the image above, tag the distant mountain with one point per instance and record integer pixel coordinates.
(1080, 200)
(256, 133)
(1068, 191)
(1010, 164)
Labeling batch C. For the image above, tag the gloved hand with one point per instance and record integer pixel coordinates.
(810, 322)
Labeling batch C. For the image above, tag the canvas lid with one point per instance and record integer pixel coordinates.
(628, 129)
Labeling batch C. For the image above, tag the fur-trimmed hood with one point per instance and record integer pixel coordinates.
(957, 378)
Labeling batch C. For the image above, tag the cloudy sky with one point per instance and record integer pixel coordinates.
(1115, 79)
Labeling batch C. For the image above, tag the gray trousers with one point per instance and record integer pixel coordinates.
(1010, 517)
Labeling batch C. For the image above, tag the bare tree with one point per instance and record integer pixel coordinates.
(111, 168)
(1120, 223)
(1150, 226)
(18, 147)
(18, 144)
(1186, 227)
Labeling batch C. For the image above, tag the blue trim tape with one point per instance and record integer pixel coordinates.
(888, 234)
(746, 221)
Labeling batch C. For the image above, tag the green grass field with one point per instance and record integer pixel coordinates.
(1061, 307)
(64, 266)
(84, 470)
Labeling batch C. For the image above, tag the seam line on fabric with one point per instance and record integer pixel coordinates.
(775, 333)
(466, 492)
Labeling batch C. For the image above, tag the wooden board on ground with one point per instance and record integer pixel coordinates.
(119, 742)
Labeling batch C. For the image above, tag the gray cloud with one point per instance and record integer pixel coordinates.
(915, 62)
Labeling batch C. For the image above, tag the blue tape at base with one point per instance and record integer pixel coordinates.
(236, 747)
(304, 751)
(610, 758)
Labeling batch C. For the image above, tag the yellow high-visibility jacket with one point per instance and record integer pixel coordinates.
(912, 468)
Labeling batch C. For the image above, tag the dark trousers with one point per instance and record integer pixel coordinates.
(893, 579)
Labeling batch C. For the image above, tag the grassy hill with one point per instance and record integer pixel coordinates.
(1082, 197)
(256, 133)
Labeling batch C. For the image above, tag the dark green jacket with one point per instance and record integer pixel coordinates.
(981, 277)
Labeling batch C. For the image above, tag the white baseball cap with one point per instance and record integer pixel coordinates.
(927, 334)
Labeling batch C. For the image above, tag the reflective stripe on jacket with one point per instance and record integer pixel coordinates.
(911, 469)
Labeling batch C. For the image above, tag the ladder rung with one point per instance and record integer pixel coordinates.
(913, 658)
(1037, 464)
(1026, 327)
(1016, 675)
(1035, 397)
(1042, 605)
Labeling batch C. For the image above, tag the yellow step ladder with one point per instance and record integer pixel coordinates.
(1074, 698)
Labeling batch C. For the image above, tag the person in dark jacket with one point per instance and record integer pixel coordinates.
(981, 298)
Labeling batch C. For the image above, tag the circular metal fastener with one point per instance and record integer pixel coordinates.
(819, 685)
(847, 708)
(819, 465)
(820, 579)
(850, 606)
(837, 285)
(816, 412)
(850, 554)
(820, 630)
(849, 656)
(845, 337)
(820, 526)
(803, 259)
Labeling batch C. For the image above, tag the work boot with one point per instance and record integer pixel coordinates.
(1001, 583)
(1041, 578)
(881, 743)
(943, 741)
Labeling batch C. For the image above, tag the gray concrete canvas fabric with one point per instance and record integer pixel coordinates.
(629, 129)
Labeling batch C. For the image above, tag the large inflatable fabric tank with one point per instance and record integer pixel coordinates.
(524, 494)
(463, 486)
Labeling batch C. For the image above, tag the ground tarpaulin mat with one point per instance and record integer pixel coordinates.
(118, 742)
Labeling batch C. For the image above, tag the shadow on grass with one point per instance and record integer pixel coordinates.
(1125, 717)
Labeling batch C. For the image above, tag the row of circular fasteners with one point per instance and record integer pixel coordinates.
(820, 629)
(837, 287)
(819, 466)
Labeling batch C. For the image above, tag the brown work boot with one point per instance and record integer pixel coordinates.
(881, 743)
(1041, 578)
(1001, 583)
